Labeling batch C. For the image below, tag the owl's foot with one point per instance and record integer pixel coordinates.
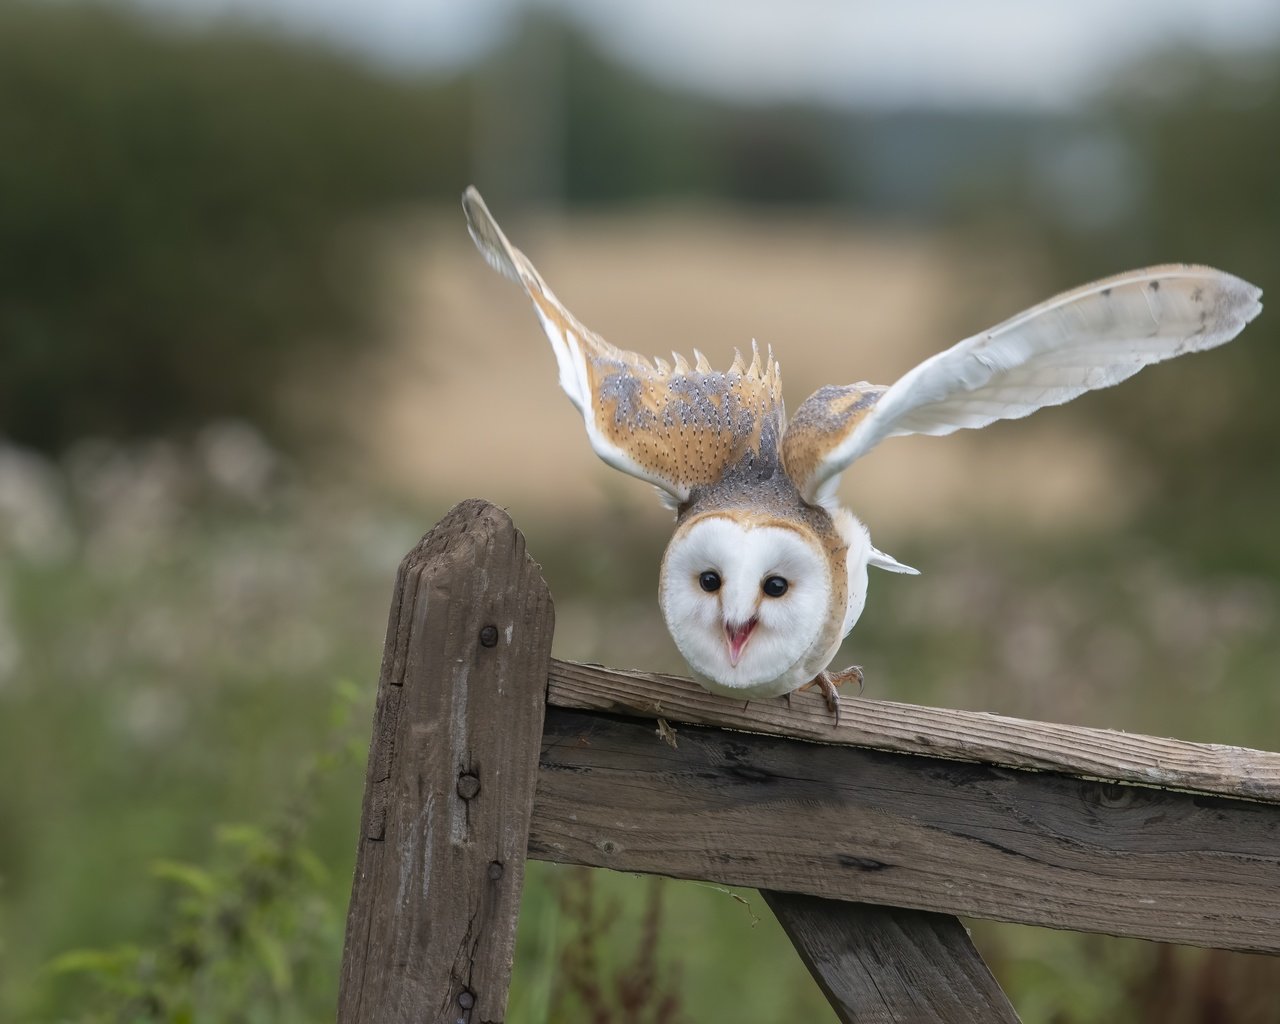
(831, 693)
(830, 682)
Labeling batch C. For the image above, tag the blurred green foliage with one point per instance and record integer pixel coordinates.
(628, 138)
(252, 934)
(177, 213)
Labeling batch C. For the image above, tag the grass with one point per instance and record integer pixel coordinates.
(170, 642)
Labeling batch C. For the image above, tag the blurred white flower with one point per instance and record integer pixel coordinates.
(237, 458)
(151, 715)
(10, 645)
(34, 521)
(132, 497)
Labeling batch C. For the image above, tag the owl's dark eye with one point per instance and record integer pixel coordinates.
(709, 581)
(774, 586)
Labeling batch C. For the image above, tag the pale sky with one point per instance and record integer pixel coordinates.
(1008, 53)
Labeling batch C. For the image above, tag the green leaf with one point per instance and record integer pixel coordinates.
(274, 958)
(108, 962)
(312, 866)
(349, 695)
(195, 878)
(240, 835)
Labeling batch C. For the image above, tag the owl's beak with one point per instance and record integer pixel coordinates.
(737, 637)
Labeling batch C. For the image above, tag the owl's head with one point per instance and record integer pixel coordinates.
(745, 600)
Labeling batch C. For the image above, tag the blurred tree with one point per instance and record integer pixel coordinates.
(171, 206)
(780, 156)
(627, 137)
(558, 119)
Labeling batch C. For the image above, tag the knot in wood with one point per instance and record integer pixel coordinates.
(1113, 795)
(489, 636)
(468, 785)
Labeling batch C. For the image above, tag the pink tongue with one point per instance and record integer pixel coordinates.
(738, 639)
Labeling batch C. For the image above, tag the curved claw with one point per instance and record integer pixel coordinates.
(830, 693)
(852, 674)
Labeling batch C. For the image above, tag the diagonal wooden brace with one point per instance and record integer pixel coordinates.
(885, 965)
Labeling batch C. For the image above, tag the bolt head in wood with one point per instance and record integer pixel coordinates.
(468, 785)
(466, 1000)
(495, 870)
(489, 636)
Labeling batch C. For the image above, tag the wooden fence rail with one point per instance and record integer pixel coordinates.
(865, 837)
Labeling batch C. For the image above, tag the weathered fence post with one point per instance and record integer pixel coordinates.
(450, 782)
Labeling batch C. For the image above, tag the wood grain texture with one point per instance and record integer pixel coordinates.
(938, 732)
(909, 831)
(882, 965)
(452, 765)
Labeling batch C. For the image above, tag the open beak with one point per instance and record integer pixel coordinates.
(736, 637)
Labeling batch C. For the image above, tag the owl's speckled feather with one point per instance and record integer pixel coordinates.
(676, 425)
(826, 416)
(685, 426)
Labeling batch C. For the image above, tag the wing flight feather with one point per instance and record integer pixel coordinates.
(1088, 338)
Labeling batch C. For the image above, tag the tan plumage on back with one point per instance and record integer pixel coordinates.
(831, 413)
(676, 425)
(766, 572)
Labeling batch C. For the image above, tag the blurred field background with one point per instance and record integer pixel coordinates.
(248, 355)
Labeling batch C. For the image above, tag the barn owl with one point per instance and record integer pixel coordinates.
(766, 572)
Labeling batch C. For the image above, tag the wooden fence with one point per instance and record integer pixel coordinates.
(865, 838)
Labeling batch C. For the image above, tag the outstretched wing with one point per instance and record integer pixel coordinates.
(678, 427)
(1088, 338)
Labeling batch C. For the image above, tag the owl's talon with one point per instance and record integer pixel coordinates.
(852, 674)
(830, 694)
(830, 682)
